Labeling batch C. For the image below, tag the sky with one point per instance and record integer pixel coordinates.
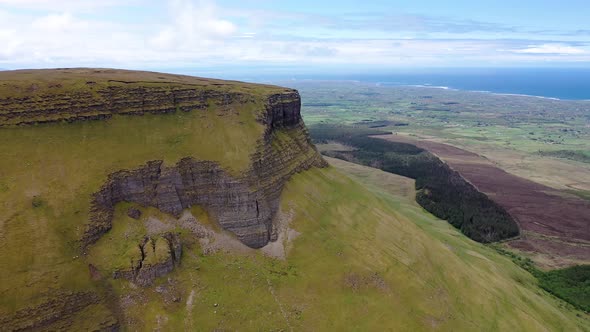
(260, 35)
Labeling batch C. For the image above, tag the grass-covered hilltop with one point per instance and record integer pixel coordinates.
(141, 201)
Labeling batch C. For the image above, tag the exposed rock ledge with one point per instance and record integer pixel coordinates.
(244, 205)
(41, 96)
(155, 257)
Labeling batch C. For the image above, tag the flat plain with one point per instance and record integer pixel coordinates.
(530, 154)
(544, 140)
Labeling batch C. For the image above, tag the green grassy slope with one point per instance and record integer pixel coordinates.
(367, 258)
(61, 167)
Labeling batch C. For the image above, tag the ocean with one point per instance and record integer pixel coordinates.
(559, 83)
(572, 84)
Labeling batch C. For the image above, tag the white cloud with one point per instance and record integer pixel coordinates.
(58, 23)
(199, 32)
(65, 5)
(551, 49)
(193, 25)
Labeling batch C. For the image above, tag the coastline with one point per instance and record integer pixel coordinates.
(427, 86)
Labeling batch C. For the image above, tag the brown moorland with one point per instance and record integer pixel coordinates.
(555, 227)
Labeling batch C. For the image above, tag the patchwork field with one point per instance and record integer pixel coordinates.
(543, 140)
(555, 226)
(539, 147)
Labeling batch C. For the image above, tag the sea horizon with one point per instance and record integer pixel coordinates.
(548, 83)
(568, 83)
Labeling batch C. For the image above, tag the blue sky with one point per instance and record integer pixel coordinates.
(259, 35)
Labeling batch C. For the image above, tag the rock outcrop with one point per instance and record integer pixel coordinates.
(134, 213)
(101, 93)
(153, 258)
(244, 205)
(56, 314)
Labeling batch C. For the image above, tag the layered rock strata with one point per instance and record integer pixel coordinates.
(56, 314)
(95, 95)
(244, 204)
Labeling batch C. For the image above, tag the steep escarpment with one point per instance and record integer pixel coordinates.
(77, 142)
(28, 97)
(243, 204)
(284, 110)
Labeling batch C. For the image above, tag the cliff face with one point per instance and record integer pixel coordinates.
(244, 204)
(234, 146)
(28, 97)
